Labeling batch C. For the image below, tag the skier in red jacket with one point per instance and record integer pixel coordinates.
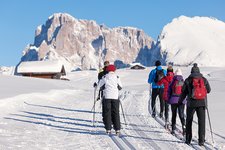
(166, 80)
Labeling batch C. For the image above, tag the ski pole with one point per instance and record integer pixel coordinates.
(150, 101)
(154, 107)
(93, 108)
(94, 115)
(94, 105)
(210, 125)
(123, 112)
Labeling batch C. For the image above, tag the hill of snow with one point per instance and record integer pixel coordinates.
(53, 114)
(199, 39)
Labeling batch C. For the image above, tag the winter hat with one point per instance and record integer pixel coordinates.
(111, 68)
(157, 63)
(195, 68)
(106, 63)
(169, 68)
(178, 72)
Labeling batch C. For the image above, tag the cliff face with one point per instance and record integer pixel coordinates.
(85, 44)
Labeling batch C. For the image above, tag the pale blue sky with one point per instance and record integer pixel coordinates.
(20, 18)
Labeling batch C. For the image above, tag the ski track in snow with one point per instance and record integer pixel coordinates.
(62, 119)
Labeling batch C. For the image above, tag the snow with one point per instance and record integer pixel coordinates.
(133, 64)
(7, 70)
(53, 114)
(199, 39)
(34, 48)
(40, 66)
(58, 15)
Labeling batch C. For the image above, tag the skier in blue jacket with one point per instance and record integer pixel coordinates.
(157, 90)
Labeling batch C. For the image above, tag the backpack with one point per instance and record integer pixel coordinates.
(177, 87)
(199, 90)
(159, 75)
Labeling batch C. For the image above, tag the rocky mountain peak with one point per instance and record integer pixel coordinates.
(85, 44)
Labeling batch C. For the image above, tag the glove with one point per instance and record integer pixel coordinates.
(95, 84)
(98, 98)
(180, 102)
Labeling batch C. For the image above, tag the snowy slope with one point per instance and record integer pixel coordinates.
(52, 114)
(199, 39)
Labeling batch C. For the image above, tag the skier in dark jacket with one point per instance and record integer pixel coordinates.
(101, 73)
(173, 100)
(195, 105)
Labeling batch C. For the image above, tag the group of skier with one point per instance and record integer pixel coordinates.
(167, 86)
(172, 90)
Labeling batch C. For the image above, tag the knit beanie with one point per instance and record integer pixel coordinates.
(178, 72)
(157, 63)
(169, 68)
(111, 68)
(106, 63)
(195, 68)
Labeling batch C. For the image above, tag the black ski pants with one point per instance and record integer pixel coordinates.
(110, 114)
(180, 108)
(157, 92)
(201, 123)
(166, 111)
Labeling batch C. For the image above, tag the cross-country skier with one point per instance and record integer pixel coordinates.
(174, 92)
(157, 90)
(195, 88)
(111, 84)
(166, 82)
(101, 73)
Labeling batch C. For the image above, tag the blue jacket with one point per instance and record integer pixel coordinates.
(152, 75)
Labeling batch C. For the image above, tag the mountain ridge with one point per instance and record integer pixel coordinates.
(85, 44)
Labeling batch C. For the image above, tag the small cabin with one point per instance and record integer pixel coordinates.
(137, 66)
(42, 69)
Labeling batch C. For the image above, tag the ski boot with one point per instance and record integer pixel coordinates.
(173, 132)
(108, 132)
(118, 132)
(161, 115)
(153, 115)
(184, 130)
(167, 125)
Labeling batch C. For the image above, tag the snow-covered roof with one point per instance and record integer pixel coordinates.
(40, 67)
(134, 64)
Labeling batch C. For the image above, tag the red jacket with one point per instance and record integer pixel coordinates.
(166, 82)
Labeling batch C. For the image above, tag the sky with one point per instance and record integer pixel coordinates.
(20, 18)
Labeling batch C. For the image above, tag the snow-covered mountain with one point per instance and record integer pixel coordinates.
(85, 44)
(187, 40)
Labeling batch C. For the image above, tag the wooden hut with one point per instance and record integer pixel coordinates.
(137, 66)
(42, 69)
